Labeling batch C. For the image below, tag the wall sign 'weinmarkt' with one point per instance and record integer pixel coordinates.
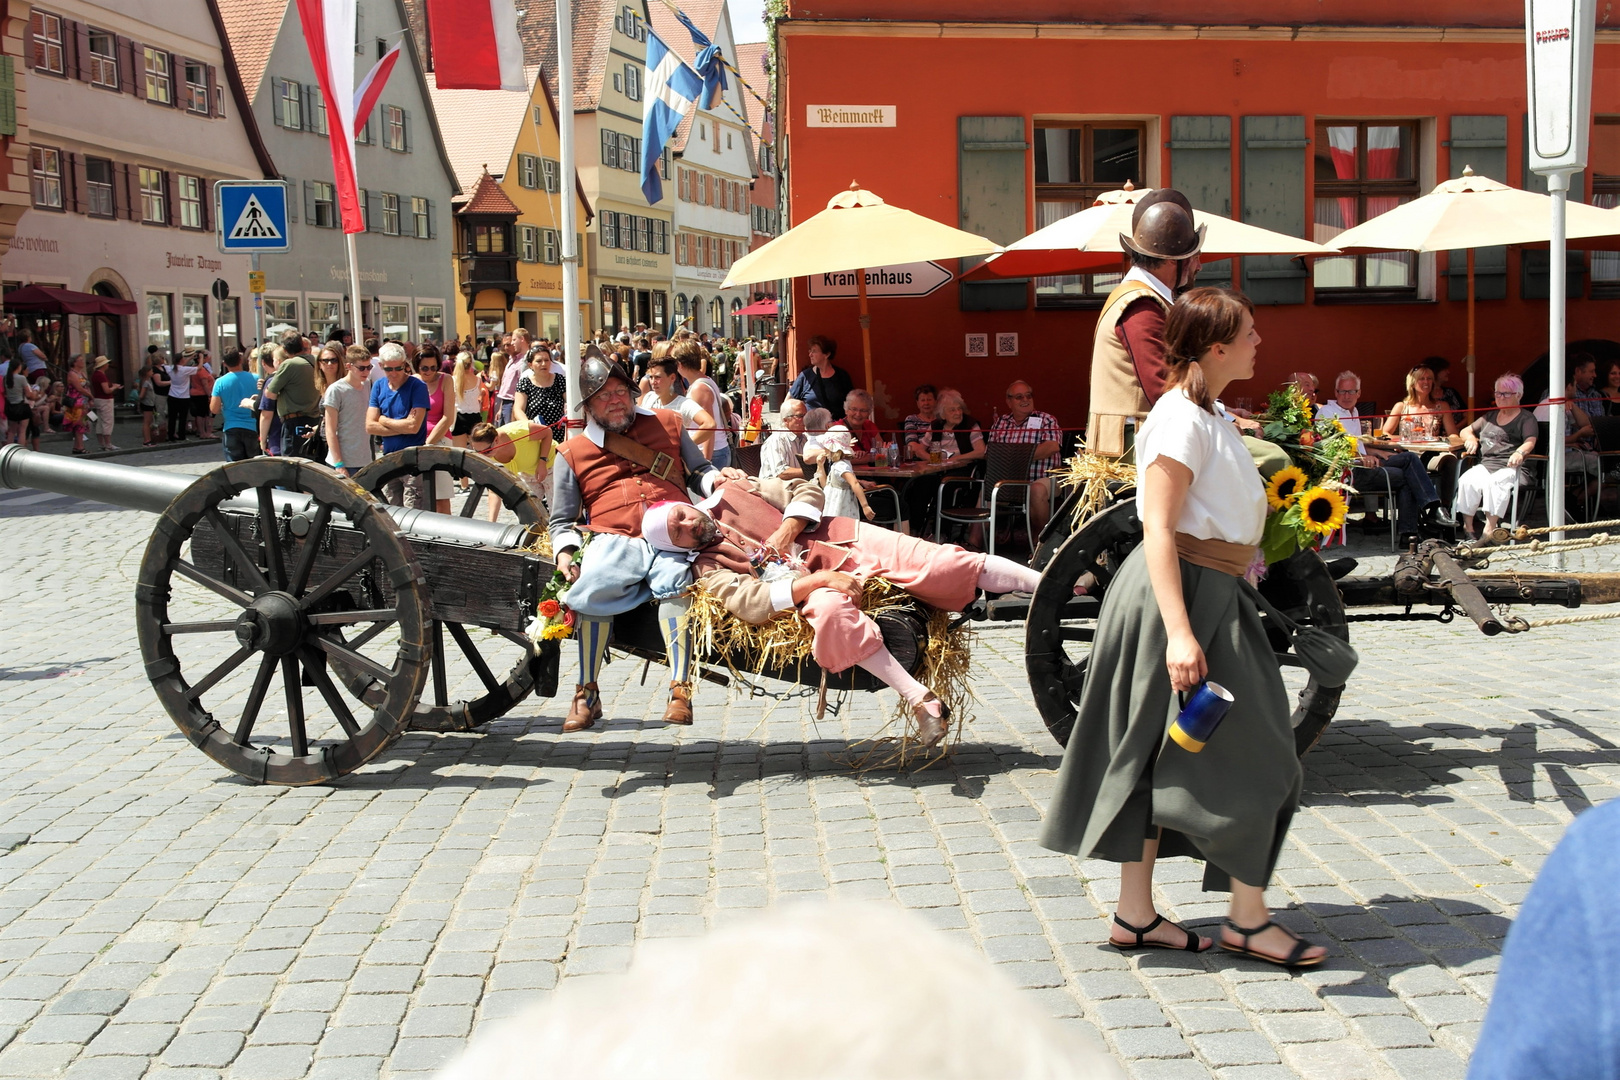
(849, 116)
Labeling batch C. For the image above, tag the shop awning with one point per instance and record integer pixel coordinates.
(763, 309)
(44, 300)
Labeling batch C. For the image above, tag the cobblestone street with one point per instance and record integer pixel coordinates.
(160, 917)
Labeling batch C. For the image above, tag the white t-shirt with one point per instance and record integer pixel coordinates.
(1227, 500)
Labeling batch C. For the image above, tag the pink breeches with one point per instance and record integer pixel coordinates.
(940, 575)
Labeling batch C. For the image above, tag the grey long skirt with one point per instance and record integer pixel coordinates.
(1123, 778)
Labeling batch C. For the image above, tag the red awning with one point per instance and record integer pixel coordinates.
(44, 300)
(766, 308)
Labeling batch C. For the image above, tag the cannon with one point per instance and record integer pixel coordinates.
(374, 619)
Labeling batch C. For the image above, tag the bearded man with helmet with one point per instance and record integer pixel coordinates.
(606, 476)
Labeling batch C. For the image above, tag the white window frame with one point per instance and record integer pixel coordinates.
(104, 65)
(551, 175)
(154, 197)
(96, 190)
(323, 196)
(390, 210)
(528, 171)
(528, 243)
(550, 246)
(189, 190)
(47, 184)
(292, 105)
(420, 221)
(47, 45)
(159, 76)
(394, 128)
(196, 92)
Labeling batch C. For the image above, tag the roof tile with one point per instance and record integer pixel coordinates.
(252, 26)
(489, 198)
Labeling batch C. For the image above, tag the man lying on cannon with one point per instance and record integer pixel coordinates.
(762, 547)
(624, 461)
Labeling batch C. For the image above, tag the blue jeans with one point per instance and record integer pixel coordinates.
(1409, 477)
(240, 444)
(506, 411)
(722, 457)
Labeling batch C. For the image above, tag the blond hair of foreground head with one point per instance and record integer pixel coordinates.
(852, 991)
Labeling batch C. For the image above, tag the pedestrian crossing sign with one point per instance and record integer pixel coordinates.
(252, 215)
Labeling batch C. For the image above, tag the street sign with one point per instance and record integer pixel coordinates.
(221, 289)
(252, 215)
(1558, 36)
(255, 281)
(905, 279)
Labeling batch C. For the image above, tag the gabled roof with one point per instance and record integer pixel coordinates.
(252, 27)
(489, 198)
(483, 129)
(240, 96)
(593, 33)
(705, 15)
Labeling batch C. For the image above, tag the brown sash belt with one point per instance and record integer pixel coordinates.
(656, 462)
(1228, 558)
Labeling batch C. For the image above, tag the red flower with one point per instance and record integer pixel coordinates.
(1307, 438)
(549, 608)
(568, 617)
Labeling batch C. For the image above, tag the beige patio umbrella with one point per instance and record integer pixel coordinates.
(1474, 212)
(857, 231)
(1089, 241)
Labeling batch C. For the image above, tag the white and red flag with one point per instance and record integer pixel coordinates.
(370, 88)
(476, 45)
(329, 27)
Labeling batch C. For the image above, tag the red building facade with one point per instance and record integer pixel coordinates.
(1002, 123)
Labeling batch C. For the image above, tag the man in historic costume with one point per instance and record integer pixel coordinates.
(625, 460)
(762, 548)
(1127, 353)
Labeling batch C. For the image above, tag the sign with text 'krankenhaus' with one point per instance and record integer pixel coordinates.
(905, 279)
(1558, 37)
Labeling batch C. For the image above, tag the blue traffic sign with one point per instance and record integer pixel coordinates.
(252, 215)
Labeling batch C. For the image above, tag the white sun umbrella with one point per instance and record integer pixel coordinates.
(1474, 212)
(857, 231)
(1089, 241)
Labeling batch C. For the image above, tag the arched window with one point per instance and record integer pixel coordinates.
(717, 316)
(680, 308)
(697, 313)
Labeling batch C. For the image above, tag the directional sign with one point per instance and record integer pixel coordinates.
(905, 279)
(1558, 47)
(252, 215)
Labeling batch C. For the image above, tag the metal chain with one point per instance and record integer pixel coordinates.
(1443, 616)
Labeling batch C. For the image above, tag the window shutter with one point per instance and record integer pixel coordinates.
(81, 49)
(137, 69)
(309, 202)
(610, 149)
(405, 121)
(1479, 142)
(75, 179)
(216, 93)
(208, 205)
(171, 198)
(433, 228)
(1201, 169)
(373, 211)
(1274, 157)
(8, 95)
(292, 200)
(278, 114)
(124, 50)
(177, 80)
(1535, 282)
(132, 188)
(120, 195)
(992, 199)
(28, 43)
(308, 96)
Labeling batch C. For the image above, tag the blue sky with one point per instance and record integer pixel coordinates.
(748, 20)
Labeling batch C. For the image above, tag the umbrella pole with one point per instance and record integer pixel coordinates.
(866, 325)
(1470, 358)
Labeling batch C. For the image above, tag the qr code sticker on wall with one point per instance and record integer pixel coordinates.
(1006, 344)
(978, 344)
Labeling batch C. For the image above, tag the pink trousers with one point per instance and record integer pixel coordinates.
(941, 575)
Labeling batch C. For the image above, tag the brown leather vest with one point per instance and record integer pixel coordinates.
(1116, 392)
(615, 491)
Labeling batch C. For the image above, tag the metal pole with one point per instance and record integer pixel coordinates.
(572, 337)
(258, 310)
(1470, 357)
(1558, 188)
(354, 286)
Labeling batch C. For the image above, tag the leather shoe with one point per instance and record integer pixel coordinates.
(930, 728)
(586, 709)
(679, 709)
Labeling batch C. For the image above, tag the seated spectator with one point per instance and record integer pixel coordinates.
(1415, 496)
(954, 433)
(1503, 438)
(1423, 415)
(822, 384)
(917, 424)
(1346, 396)
(1608, 384)
(1306, 382)
(863, 429)
(1442, 380)
(782, 456)
(1023, 423)
(1582, 402)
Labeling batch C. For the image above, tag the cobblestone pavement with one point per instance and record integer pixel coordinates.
(165, 919)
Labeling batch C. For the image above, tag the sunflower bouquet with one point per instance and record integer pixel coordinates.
(1305, 498)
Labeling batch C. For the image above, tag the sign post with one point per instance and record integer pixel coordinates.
(1558, 36)
(252, 218)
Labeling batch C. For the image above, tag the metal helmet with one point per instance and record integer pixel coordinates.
(595, 371)
(1163, 227)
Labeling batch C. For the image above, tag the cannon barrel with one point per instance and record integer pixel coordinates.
(152, 490)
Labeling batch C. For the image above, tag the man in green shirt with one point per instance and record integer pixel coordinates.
(298, 402)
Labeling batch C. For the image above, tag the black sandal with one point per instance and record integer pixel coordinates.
(1142, 932)
(1293, 960)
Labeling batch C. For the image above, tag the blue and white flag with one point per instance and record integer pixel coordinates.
(710, 63)
(671, 91)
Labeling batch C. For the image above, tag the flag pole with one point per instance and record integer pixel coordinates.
(354, 285)
(572, 337)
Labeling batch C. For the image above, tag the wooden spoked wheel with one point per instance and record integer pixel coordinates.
(232, 595)
(1061, 626)
(466, 688)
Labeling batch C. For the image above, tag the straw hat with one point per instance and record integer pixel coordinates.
(101, 362)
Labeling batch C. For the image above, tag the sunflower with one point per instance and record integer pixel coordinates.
(1321, 510)
(1285, 486)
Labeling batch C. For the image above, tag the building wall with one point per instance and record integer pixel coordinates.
(400, 275)
(14, 193)
(168, 265)
(1437, 78)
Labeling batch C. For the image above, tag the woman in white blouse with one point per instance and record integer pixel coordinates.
(1176, 614)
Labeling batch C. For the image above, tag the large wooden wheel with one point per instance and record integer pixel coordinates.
(229, 597)
(1061, 627)
(467, 689)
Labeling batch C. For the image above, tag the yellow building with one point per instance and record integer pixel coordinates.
(508, 242)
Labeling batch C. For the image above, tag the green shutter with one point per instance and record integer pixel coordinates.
(1201, 169)
(992, 201)
(8, 96)
(1479, 142)
(1274, 156)
(1534, 281)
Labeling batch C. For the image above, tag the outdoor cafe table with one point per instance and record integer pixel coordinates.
(902, 477)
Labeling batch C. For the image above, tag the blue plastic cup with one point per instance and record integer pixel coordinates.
(1198, 719)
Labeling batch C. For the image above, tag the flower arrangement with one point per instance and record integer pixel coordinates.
(553, 620)
(1305, 498)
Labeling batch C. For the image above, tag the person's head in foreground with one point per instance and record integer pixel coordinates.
(845, 991)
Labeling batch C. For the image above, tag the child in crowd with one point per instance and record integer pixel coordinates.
(845, 497)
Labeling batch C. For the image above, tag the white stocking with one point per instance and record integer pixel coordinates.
(883, 664)
(1004, 576)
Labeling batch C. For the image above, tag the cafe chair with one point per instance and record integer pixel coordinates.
(1006, 481)
(1371, 487)
(887, 509)
(747, 458)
